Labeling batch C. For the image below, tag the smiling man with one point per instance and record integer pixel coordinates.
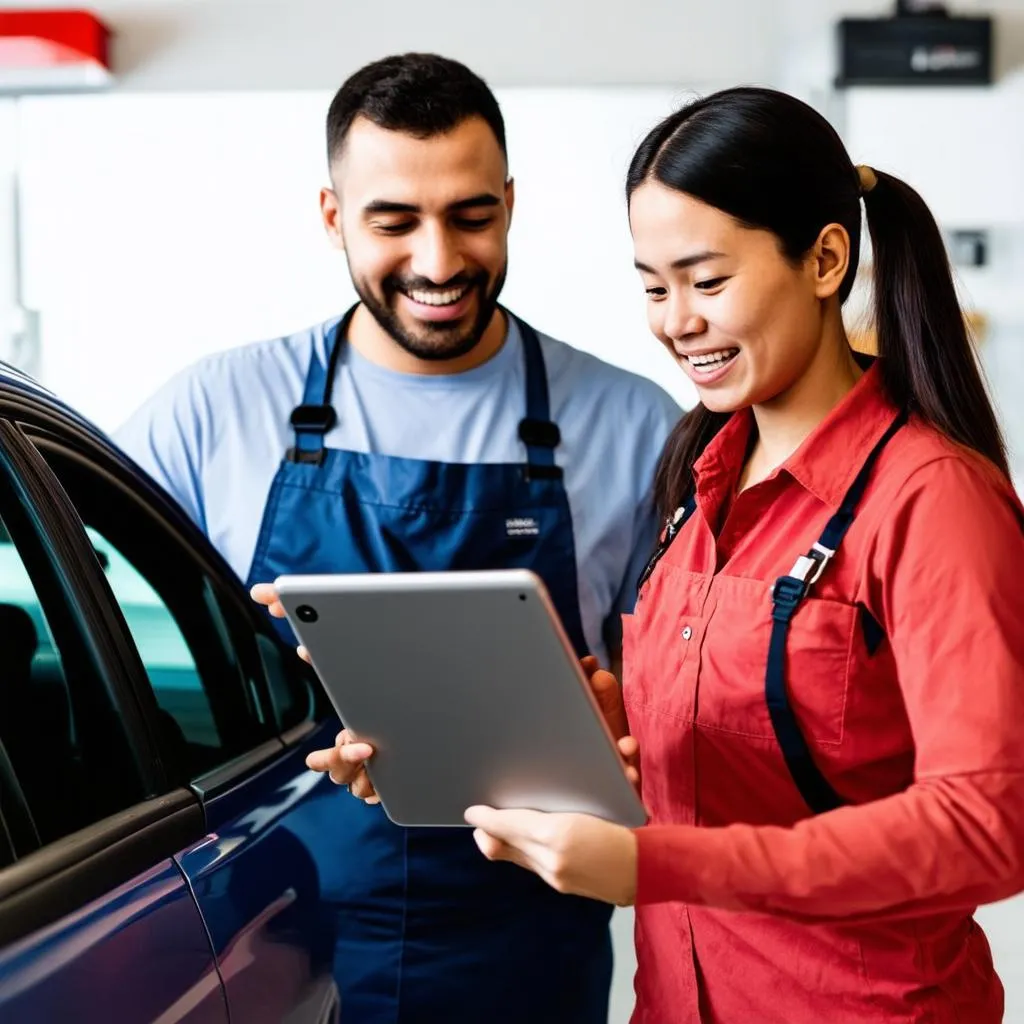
(426, 429)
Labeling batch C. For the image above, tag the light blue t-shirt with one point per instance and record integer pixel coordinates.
(215, 435)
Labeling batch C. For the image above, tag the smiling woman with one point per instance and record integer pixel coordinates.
(823, 672)
(753, 310)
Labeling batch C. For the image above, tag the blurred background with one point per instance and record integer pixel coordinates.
(159, 177)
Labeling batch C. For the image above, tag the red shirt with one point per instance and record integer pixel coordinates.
(749, 909)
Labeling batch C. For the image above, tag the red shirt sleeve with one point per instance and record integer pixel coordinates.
(946, 579)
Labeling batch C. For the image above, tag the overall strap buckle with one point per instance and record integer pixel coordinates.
(809, 567)
(789, 591)
(313, 419)
(310, 423)
(539, 433)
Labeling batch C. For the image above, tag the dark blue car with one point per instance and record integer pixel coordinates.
(160, 834)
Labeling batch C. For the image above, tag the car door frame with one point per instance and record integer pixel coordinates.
(63, 876)
(78, 438)
(170, 818)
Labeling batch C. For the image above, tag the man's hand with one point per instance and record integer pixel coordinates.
(608, 692)
(345, 765)
(265, 594)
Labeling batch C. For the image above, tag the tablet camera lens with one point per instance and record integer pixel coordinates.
(522, 597)
(306, 613)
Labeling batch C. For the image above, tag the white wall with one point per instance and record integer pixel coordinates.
(313, 44)
(204, 232)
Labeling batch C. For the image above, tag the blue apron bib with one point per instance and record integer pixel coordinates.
(427, 930)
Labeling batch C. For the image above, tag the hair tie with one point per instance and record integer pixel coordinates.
(868, 178)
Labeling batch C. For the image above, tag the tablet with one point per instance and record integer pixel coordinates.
(469, 690)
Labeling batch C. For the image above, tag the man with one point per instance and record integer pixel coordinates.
(427, 429)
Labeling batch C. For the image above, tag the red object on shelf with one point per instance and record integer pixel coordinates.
(53, 51)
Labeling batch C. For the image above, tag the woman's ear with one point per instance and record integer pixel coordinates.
(830, 259)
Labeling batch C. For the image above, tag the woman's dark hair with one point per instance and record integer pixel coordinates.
(772, 162)
(422, 94)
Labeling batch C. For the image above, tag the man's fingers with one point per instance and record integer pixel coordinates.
(355, 753)
(362, 787)
(265, 594)
(629, 747)
(303, 654)
(343, 760)
(325, 760)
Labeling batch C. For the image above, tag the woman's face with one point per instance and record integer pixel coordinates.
(742, 321)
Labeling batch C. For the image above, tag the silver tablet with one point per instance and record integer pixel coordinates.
(469, 689)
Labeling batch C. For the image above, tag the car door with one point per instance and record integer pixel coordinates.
(97, 920)
(235, 712)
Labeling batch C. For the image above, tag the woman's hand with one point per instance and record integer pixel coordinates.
(573, 853)
(608, 693)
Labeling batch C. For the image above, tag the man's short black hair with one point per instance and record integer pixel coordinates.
(421, 94)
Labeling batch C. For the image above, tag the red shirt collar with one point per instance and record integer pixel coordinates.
(829, 458)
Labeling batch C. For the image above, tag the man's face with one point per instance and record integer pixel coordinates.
(424, 226)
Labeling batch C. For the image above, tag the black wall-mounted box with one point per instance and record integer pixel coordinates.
(916, 50)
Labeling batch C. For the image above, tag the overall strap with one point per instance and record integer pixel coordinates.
(787, 593)
(315, 417)
(537, 431)
(672, 528)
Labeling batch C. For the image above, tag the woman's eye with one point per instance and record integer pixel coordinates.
(711, 284)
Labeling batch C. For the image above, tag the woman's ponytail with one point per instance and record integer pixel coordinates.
(927, 360)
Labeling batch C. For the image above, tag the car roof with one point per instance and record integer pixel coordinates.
(15, 383)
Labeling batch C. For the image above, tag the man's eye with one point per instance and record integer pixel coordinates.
(474, 223)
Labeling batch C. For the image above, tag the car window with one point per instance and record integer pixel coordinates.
(208, 712)
(47, 744)
(293, 685)
(200, 656)
(169, 663)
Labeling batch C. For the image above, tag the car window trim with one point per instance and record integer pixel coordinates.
(294, 736)
(68, 874)
(226, 776)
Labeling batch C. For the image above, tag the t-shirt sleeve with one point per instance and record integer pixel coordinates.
(167, 436)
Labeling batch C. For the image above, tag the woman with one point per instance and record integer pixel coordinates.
(825, 669)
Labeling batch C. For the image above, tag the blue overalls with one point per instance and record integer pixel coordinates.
(428, 930)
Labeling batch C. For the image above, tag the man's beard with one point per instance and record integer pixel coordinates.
(434, 341)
